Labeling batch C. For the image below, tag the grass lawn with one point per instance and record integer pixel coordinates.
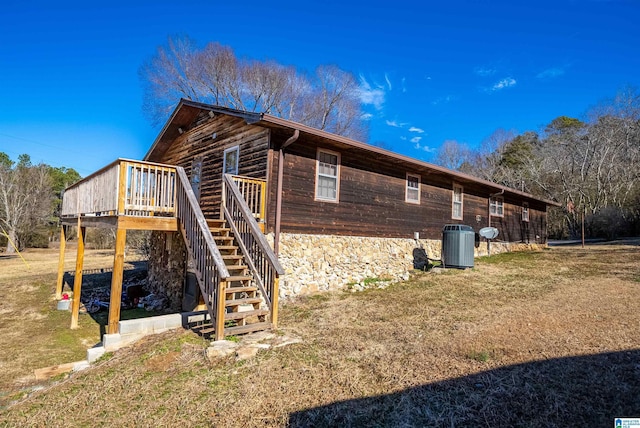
(537, 339)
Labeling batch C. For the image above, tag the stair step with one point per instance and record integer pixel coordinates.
(220, 231)
(216, 222)
(240, 290)
(249, 328)
(247, 301)
(240, 315)
(223, 238)
(227, 248)
(236, 267)
(239, 278)
(232, 256)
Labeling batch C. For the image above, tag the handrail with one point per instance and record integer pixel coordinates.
(209, 266)
(259, 256)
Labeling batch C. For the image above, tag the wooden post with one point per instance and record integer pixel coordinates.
(584, 209)
(116, 281)
(122, 189)
(263, 205)
(220, 310)
(224, 197)
(77, 282)
(274, 302)
(63, 242)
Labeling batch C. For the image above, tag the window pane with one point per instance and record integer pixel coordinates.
(413, 194)
(457, 210)
(326, 187)
(231, 162)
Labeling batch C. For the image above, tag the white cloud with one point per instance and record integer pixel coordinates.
(386, 78)
(370, 95)
(502, 84)
(404, 84)
(418, 130)
(416, 139)
(427, 149)
(484, 71)
(550, 73)
(366, 116)
(443, 100)
(394, 123)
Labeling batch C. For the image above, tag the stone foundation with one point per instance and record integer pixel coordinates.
(323, 262)
(167, 266)
(313, 263)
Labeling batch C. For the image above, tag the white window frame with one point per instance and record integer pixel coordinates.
(496, 206)
(224, 160)
(317, 197)
(525, 211)
(455, 202)
(409, 189)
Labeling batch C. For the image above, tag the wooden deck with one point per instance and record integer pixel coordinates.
(133, 195)
(125, 194)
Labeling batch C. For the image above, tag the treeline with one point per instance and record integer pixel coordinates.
(591, 166)
(30, 201)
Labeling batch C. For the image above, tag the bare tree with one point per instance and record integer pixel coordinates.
(328, 101)
(25, 197)
(453, 155)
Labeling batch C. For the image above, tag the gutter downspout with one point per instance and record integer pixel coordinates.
(276, 238)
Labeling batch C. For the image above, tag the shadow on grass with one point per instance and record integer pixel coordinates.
(96, 283)
(573, 391)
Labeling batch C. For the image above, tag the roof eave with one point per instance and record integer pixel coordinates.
(267, 118)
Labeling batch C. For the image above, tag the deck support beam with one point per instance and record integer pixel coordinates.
(220, 310)
(77, 282)
(116, 281)
(274, 302)
(63, 242)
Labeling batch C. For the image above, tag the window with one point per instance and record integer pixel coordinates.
(456, 207)
(327, 175)
(496, 206)
(412, 193)
(525, 211)
(230, 161)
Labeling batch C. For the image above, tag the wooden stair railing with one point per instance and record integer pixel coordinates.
(210, 269)
(260, 258)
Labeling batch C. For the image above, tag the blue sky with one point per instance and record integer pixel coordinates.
(429, 71)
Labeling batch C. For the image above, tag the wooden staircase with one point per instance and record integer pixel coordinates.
(245, 309)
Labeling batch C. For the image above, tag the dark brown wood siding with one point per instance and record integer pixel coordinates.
(513, 229)
(372, 200)
(209, 138)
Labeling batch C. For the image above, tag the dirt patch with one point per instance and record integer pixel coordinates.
(523, 339)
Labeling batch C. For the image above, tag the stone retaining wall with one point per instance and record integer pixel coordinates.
(324, 262)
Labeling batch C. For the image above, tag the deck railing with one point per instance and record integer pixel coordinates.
(209, 266)
(259, 256)
(124, 187)
(254, 191)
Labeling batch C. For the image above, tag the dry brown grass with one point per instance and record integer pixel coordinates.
(549, 338)
(33, 333)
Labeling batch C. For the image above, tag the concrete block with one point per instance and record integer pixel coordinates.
(94, 353)
(81, 365)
